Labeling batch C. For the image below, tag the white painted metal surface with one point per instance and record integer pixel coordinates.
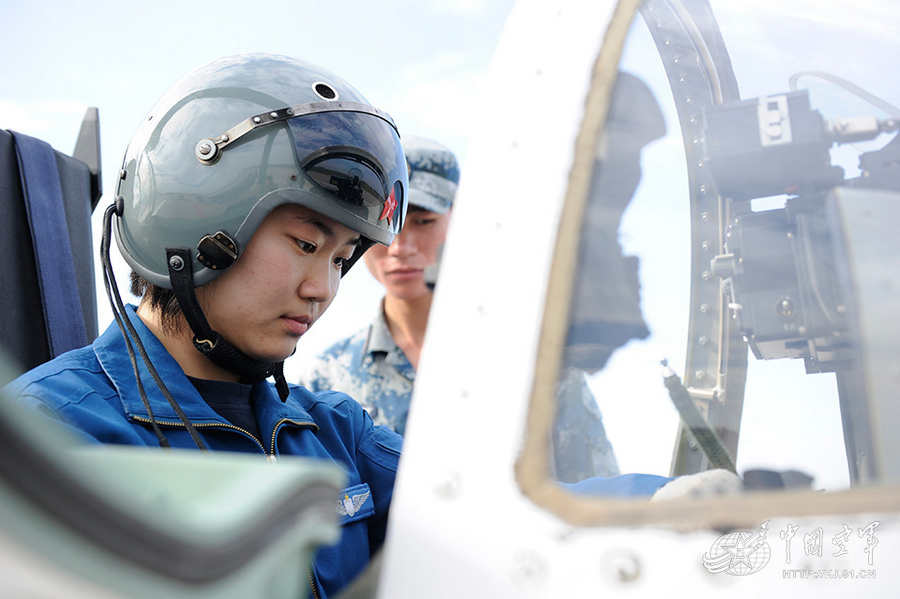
(460, 525)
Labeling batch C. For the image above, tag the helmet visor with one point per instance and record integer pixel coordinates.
(358, 159)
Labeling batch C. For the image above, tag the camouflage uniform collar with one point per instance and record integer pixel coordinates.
(380, 338)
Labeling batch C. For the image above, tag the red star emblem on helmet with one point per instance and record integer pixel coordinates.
(390, 204)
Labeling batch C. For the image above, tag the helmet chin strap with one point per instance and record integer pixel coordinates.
(207, 341)
(363, 245)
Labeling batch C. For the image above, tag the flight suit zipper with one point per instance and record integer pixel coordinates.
(302, 424)
(270, 454)
(179, 424)
(312, 583)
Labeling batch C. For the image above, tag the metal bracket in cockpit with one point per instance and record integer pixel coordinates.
(700, 75)
(763, 278)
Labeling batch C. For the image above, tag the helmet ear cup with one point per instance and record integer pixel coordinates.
(218, 251)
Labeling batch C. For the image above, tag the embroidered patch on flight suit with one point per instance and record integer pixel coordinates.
(355, 503)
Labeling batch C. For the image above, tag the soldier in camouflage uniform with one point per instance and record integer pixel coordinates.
(369, 367)
(377, 365)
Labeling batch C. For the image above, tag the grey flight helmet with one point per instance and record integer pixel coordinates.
(240, 136)
(433, 174)
(226, 145)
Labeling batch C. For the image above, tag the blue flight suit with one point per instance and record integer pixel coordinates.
(93, 390)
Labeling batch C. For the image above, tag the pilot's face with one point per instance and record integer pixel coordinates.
(401, 267)
(284, 280)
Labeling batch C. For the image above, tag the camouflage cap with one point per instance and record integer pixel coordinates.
(433, 174)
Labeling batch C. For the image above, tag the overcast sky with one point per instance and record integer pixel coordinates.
(422, 61)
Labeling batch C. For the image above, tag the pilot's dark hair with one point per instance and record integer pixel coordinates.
(161, 300)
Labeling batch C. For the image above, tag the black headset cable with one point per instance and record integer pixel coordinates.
(122, 320)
